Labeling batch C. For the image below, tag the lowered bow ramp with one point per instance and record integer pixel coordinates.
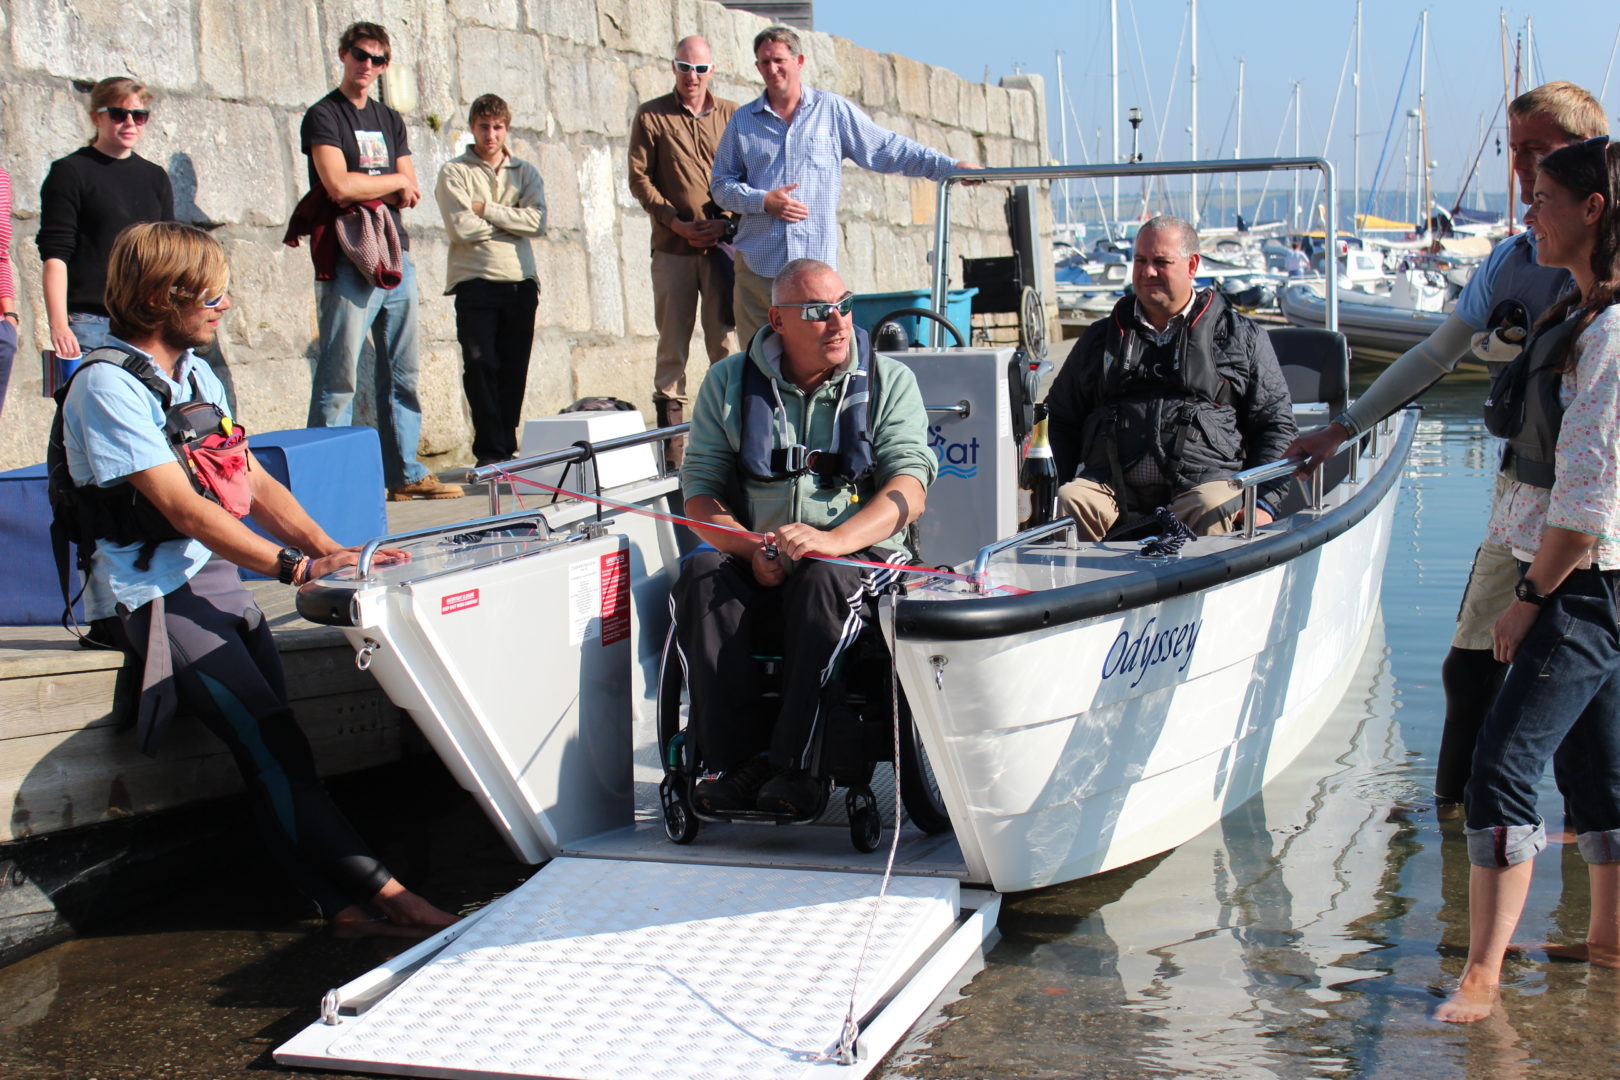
(598, 969)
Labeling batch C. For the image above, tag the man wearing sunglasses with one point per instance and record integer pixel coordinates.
(358, 152)
(815, 445)
(779, 165)
(672, 144)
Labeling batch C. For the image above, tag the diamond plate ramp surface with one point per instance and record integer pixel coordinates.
(596, 969)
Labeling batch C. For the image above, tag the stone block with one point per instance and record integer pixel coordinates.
(945, 95)
(598, 204)
(272, 301)
(896, 211)
(635, 244)
(446, 427)
(855, 258)
(551, 378)
(272, 393)
(651, 79)
(911, 86)
(591, 94)
(961, 145)
(501, 14)
(155, 43)
(862, 195)
(972, 109)
(505, 63)
(565, 286)
(571, 20)
(226, 162)
(899, 123)
(636, 26)
(998, 110)
(269, 54)
(561, 177)
(847, 62)
(821, 67)
(621, 371)
(733, 58)
(877, 80)
(40, 124)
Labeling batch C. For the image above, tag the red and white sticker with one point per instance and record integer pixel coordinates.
(459, 601)
(615, 597)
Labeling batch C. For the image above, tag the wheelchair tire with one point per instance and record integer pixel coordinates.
(865, 825)
(919, 791)
(680, 824)
(671, 688)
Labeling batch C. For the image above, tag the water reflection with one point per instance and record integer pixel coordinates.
(1312, 932)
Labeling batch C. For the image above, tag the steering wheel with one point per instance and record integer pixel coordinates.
(1032, 323)
(926, 313)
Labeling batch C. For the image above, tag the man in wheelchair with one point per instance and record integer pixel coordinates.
(810, 439)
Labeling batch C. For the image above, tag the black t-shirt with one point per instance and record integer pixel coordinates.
(87, 199)
(372, 139)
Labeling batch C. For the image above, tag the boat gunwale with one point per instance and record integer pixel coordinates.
(982, 617)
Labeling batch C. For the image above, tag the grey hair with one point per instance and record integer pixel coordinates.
(793, 273)
(1184, 231)
(781, 35)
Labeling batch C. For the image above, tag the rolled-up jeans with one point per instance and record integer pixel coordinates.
(348, 308)
(1560, 700)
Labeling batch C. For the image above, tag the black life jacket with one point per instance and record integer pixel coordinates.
(1525, 408)
(1160, 412)
(850, 460)
(84, 514)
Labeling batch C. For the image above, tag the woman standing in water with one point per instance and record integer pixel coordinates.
(1561, 516)
(88, 198)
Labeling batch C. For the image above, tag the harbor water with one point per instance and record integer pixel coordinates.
(1308, 934)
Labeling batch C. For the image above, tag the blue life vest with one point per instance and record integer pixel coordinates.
(849, 460)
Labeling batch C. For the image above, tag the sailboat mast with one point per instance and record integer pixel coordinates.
(1293, 212)
(1113, 84)
(1507, 98)
(1355, 137)
(1192, 186)
(1063, 133)
(1423, 116)
(1237, 151)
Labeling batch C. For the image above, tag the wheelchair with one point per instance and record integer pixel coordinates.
(857, 732)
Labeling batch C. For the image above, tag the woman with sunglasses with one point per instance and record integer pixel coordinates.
(1560, 514)
(88, 198)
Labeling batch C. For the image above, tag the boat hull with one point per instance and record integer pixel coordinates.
(1367, 326)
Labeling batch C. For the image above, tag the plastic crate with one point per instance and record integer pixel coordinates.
(870, 307)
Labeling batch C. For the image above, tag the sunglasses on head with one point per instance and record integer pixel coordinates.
(361, 57)
(822, 310)
(118, 115)
(684, 66)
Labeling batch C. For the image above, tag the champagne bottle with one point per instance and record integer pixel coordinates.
(1038, 479)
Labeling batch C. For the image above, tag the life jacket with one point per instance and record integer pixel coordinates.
(1186, 404)
(210, 447)
(1521, 278)
(1524, 405)
(849, 460)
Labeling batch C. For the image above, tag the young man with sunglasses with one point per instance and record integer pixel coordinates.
(358, 152)
(813, 444)
(779, 166)
(672, 144)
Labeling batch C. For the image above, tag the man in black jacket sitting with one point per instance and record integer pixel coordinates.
(1162, 401)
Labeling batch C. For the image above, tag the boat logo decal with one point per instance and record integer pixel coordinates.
(959, 459)
(1150, 648)
(458, 601)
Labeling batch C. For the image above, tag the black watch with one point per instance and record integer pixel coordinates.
(1525, 591)
(287, 560)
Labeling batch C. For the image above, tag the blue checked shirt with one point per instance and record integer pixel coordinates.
(759, 153)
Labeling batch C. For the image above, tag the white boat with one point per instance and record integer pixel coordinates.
(1392, 322)
(1080, 708)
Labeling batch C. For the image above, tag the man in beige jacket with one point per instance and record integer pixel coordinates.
(492, 203)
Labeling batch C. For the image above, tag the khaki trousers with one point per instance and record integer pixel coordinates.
(751, 301)
(679, 282)
(1490, 586)
(1207, 509)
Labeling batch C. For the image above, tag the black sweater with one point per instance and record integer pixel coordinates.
(87, 199)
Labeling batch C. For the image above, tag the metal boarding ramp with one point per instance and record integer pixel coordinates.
(525, 646)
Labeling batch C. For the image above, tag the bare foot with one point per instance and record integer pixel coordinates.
(1582, 952)
(359, 921)
(1467, 1004)
(1575, 954)
(404, 908)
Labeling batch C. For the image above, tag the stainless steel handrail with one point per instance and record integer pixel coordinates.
(568, 454)
(981, 564)
(962, 408)
(1249, 480)
(369, 552)
(1041, 173)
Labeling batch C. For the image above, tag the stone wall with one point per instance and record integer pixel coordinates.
(232, 81)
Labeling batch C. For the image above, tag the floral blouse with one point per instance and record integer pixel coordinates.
(1585, 497)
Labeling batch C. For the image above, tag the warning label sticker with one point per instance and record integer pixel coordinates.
(615, 597)
(584, 602)
(459, 601)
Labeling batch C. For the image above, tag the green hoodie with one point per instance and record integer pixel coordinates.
(899, 441)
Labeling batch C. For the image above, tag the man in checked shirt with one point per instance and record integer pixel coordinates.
(779, 166)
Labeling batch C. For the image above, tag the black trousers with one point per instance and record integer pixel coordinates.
(495, 326)
(723, 617)
(227, 672)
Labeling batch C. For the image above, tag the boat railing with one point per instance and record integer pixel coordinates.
(1047, 173)
(1249, 480)
(576, 454)
(460, 528)
(981, 564)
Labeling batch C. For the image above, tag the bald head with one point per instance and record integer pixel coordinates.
(692, 84)
(693, 49)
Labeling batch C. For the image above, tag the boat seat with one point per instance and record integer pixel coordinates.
(1316, 365)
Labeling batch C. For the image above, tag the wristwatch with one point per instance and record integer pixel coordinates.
(287, 560)
(1525, 591)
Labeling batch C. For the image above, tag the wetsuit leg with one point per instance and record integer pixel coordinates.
(822, 603)
(228, 673)
(1471, 678)
(714, 606)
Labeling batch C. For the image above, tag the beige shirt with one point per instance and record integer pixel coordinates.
(495, 245)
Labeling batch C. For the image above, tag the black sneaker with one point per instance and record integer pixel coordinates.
(793, 792)
(733, 790)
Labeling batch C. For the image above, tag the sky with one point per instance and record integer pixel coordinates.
(1281, 43)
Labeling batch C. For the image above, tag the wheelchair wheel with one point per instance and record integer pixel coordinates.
(671, 699)
(680, 824)
(865, 826)
(919, 790)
